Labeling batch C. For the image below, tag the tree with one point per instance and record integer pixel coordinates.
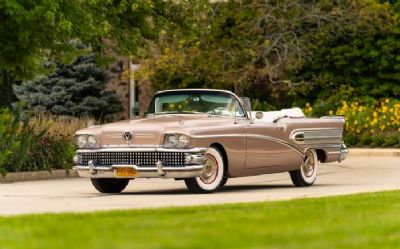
(32, 31)
(76, 90)
(259, 47)
(363, 66)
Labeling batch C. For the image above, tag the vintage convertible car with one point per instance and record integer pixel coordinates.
(204, 137)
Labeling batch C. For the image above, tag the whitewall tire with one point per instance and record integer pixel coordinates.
(213, 175)
(306, 175)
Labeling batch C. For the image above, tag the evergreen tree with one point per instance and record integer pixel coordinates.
(78, 89)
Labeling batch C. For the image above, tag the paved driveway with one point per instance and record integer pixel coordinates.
(354, 175)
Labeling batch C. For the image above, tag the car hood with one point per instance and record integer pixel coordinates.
(149, 132)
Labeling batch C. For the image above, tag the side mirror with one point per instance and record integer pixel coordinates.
(259, 115)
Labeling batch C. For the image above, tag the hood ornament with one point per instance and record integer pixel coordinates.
(127, 136)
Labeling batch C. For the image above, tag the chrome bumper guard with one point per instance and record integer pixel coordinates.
(343, 152)
(193, 165)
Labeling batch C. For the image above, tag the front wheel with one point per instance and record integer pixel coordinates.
(109, 185)
(213, 175)
(306, 175)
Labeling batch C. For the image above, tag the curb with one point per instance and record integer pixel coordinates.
(374, 152)
(37, 175)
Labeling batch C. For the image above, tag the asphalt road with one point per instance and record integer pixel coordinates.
(354, 175)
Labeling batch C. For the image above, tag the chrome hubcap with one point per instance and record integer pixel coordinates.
(210, 171)
(308, 166)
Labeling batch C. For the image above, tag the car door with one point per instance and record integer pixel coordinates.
(265, 146)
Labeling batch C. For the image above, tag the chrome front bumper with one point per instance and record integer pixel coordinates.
(193, 165)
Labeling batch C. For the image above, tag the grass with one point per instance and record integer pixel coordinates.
(354, 221)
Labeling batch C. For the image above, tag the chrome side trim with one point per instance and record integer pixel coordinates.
(219, 135)
(314, 136)
(316, 129)
(280, 141)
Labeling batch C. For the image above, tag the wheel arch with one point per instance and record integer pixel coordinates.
(222, 150)
(321, 155)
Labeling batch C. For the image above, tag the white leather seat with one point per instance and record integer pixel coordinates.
(270, 116)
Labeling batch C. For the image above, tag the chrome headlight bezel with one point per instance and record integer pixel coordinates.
(86, 141)
(81, 141)
(176, 140)
(92, 142)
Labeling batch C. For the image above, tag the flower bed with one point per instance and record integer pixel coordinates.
(375, 125)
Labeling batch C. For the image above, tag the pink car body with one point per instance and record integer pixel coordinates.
(246, 143)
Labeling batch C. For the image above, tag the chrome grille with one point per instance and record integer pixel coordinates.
(140, 159)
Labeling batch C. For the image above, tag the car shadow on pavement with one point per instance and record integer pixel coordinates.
(225, 189)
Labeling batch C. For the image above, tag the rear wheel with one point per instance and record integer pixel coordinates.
(212, 177)
(109, 185)
(306, 175)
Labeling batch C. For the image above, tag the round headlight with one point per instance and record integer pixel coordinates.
(91, 141)
(81, 141)
(183, 140)
(171, 140)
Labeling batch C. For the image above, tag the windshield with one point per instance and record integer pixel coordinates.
(212, 103)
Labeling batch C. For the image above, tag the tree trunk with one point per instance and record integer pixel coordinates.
(6, 91)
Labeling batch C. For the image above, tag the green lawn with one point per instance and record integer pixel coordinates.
(356, 221)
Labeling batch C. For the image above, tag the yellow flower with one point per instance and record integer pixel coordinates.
(386, 100)
(330, 112)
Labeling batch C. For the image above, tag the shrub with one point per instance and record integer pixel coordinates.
(17, 137)
(42, 142)
(56, 148)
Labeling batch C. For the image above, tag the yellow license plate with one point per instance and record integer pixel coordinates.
(126, 172)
